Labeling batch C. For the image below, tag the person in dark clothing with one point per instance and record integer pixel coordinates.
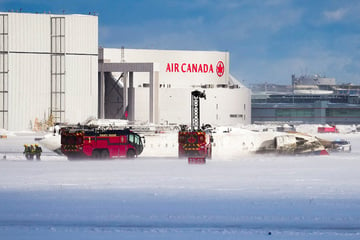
(27, 152)
(38, 151)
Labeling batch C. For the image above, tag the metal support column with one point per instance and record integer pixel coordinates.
(125, 93)
(151, 98)
(156, 97)
(102, 95)
(131, 102)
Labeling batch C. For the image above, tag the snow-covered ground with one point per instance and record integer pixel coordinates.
(157, 196)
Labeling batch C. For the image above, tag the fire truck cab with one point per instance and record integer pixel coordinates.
(92, 142)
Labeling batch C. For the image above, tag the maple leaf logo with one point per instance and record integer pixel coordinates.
(191, 139)
(220, 68)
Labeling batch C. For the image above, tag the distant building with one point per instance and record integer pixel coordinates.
(312, 80)
(155, 86)
(310, 100)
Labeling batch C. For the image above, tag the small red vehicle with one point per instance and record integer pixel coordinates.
(331, 129)
(92, 142)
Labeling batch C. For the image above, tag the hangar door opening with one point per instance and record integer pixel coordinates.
(114, 96)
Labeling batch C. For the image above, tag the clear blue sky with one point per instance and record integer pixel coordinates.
(267, 40)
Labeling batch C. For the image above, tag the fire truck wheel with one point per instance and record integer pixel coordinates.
(96, 154)
(130, 153)
(104, 154)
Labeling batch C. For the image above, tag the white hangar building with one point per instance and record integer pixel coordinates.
(51, 65)
(159, 85)
(48, 66)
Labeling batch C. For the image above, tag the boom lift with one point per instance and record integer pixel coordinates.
(196, 143)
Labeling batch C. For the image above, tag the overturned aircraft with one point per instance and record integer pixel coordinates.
(293, 143)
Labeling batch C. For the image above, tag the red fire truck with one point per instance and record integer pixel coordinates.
(93, 142)
(329, 129)
(195, 142)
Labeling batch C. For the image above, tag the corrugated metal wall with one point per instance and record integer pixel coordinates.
(82, 34)
(81, 88)
(52, 63)
(29, 89)
(29, 32)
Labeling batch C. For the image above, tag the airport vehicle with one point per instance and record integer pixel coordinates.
(341, 145)
(100, 143)
(286, 128)
(197, 141)
(329, 129)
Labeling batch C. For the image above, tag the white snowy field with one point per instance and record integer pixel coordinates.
(237, 196)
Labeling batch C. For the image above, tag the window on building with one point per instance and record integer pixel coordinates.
(343, 112)
(294, 113)
(236, 116)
